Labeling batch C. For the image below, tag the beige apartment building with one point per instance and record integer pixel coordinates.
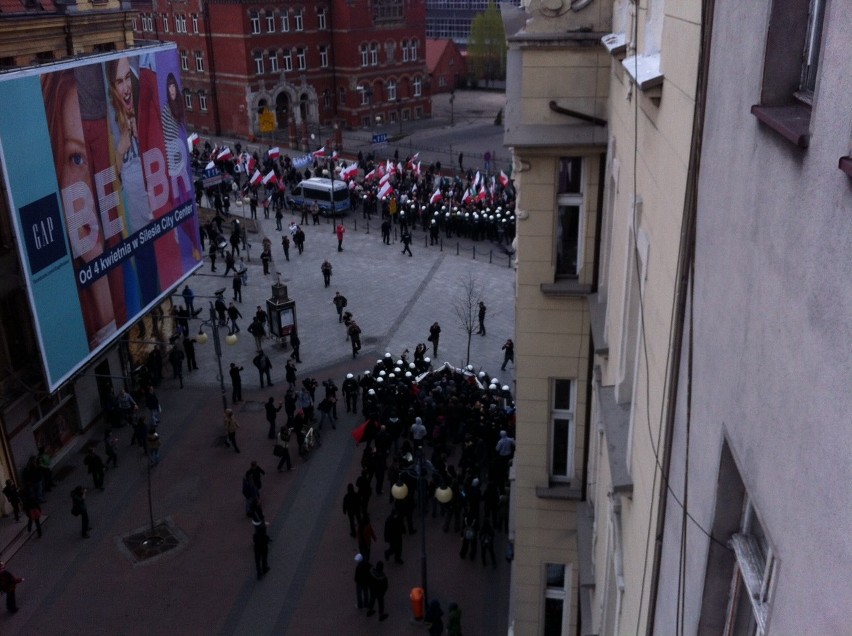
(557, 86)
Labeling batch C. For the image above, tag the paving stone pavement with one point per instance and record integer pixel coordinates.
(77, 586)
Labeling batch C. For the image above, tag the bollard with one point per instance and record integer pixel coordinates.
(474, 251)
(418, 603)
(490, 256)
(457, 248)
(355, 219)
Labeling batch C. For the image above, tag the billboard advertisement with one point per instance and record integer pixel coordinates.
(96, 163)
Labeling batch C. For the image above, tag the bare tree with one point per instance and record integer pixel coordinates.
(466, 307)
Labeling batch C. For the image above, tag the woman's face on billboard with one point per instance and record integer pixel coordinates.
(123, 83)
(75, 163)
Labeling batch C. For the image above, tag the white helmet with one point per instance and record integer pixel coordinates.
(349, 376)
(371, 392)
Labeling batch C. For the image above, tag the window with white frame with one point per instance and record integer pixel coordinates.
(364, 91)
(374, 54)
(391, 90)
(184, 61)
(301, 60)
(323, 53)
(322, 12)
(404, 47)
(569, 202)
(194, 23)
(365, 55)
(199, 61)
(180, 23)
(326, 99)
(287, 56)
(299, 17)
(133, 23)
(418, 86)
(557, 604)
(341, 96)
(285, 21)
(563, 404)
(390, 52)
(165, 23)
(258, 64)
(413, 50)
(270, 22)
(273, 61)
(254, 19)
(752, 582)
(202, 100)
(187, 99)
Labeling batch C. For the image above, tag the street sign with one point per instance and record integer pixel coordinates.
(267, 121)
(211, 177)
(380, 138)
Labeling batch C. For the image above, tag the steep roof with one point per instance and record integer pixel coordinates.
(434, 51)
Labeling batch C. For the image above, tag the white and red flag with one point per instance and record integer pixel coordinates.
(385, 178)
(476, 179)
(256, 178)
(504, 180)
(349, 171)
(436, 196)
(385, 191)
(274, 153)
(252, 164)
(370, 175)
(225, 154)
(270, 178)
(210, 166)
(193, 140)
(482, 193)
(319, 153)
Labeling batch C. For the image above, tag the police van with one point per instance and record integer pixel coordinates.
(319, 190)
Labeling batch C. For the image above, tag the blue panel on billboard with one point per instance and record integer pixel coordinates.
(97, 166)
(43, 233)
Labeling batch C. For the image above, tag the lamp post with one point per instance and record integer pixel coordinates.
(421, 469)
(230, 339)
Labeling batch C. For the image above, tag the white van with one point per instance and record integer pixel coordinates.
(320, 189)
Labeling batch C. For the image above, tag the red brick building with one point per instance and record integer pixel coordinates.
(311, 63)
(447, 65)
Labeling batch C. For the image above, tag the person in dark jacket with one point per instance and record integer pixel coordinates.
(393, 536)
(351, 507)
(378, 589)
(78, 509)
(261, 548)
(362, 581)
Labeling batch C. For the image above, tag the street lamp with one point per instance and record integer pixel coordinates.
(421, 469)
(230, 339)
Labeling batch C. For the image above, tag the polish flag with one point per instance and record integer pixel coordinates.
(436, 196)
(252, 164)
(370, 175)
(274, 153)
(193, 140)
(389, 167)
(210, 166)
(504, 180)
(414, 158)
(319, 153)
(225, 154)
(482, 193)
(399, 168)
(385, 178)
(281, 186)
(385, 191)
(349, 172)
(476, 179)
(335, 155)
(256, 178)
(270, 178)
(468, 196)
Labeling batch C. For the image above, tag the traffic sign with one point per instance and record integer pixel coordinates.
(380, 138)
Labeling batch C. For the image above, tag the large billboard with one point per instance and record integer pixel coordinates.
(96, 163)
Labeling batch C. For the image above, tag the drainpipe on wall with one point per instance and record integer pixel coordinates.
(208, 42)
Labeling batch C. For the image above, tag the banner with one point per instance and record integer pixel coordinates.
(96, 162)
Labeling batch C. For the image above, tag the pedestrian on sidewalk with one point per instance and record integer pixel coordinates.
(454, 620)
(340, 231)
(236, 383)
(264, 367)
(340, 303)
(482, 310)
(406, 242)
(231, 427)
(295, 343)
(393, 536)
(8, 583)
(110, 446)
(290, 373)
(366, 535)
(434, 618)
(176, 357)
(32, 509)
(271, 414)
(434, 336)
(237, 286)
(325, 268)
(261, 542)
(351, 507)
(362, 581)
(285, 244)
(378, 589)
(386, 228)
(509, 354)
(10, 490)
(284, 446)
(233, 315)
(154, 447)
(95, 467)
(78, 509)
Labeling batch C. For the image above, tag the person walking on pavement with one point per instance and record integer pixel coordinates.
(351, 507)
(8, 583)
(508, 354)
(434, 336)
(230, 262)
(110, 445)
(290, 373)
(285, 244)
(32, 510)
(237, 286)
(176, 357)
(340, 231)
(284, 445)
(261, 542)
(325, 268)
(10, 491)
(264, 367)
(393, 536)
(406, 242)
(378, 589)
(271, 414)
(233, 315)
(95, 467)
(386, 228)
(189, 352)
(350, 393)
(362, 581)
(482, 310)
(295, 343)
(78, 509)
(236, 383)
(257, 330)
(188, 299)
(354, 332)
(340, 303)
(231, 427)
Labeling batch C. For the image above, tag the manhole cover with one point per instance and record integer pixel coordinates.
(371, 339)
(145, 545)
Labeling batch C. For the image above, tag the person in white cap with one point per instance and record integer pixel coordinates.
(418, 431)
(350, 393)
(362, 581)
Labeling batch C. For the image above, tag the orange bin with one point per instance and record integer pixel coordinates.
(418, 603)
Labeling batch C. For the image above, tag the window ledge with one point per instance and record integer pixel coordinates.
(597, 313)
(559, 490)
(566, 287)
(644, 70)
(846, 165)
(791, 122)
(616, 44)
(615, 420)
